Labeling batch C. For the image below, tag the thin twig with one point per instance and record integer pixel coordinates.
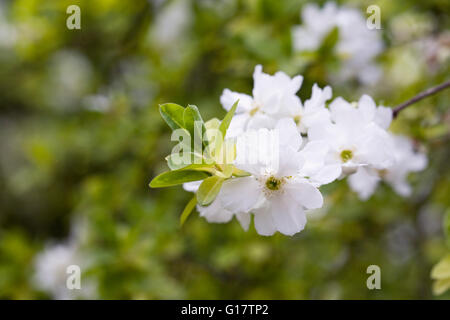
(420, 96)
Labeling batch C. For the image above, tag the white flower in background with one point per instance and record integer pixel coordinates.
(357, 135)
(273, 98)
(70, 77)
(365, 180)
(357, 45)
(97, 102)
(171, 23)
(51, 272)
(278, 195)
(8, 32)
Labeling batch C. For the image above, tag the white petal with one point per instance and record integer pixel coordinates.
(305, 194)
(314, 153)
(402, 188)
(192, 186)
(417, 162)
(237, 125)
(289, 218)
(290, 162)
(256, 150)
(288, 133)
(322, 132)
(327, 174)
(318, 117)
(264, 223)
(383, 117)
(341, 111)
(367, 107)
(240, 194)
(363, 182)
(244, 220)
(375, 147)
(215, 213)
(290, 105)
(259, 121)
(228, 98)
(261, 83)
(318, 97)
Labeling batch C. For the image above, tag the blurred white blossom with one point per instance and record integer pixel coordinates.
(357, 46)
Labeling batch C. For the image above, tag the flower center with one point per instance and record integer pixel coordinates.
(273, 183)
(346, 155)
(253, 111)
(297, 119)
(383, 172)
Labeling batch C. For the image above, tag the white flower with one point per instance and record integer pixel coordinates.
(356, 136)
(171, 24)
(278, 193)
(365, 180)
(273, 97)
(8, 32)
(51, 272)
(357, 45)
(215, 212)
(314, 111)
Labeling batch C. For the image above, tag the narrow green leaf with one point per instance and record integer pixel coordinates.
(329, 42)
(227, 120)
(208, 190)
(173, 178)
(173, 115)
(188, 210)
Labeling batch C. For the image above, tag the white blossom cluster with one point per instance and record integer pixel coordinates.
(357, 45)
(318, 142)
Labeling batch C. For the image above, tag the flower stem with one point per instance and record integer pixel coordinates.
(420, 96)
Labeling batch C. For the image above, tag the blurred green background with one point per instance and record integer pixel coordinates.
(81, 137)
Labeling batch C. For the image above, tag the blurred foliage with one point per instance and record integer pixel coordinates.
(81, 137)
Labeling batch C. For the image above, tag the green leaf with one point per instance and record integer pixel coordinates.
(223, 128)
(210, 168)
(442, 269)
(194, 158)
(440, 286)
(173, 178)
(329, 42)
(447, 226)
(188, 121)
(213, 123)
(226, 171)
(212, 126)
(208, 190)
(173, 115)
(195, 125)
(188, 210)
(227, 120)
(240, 173)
